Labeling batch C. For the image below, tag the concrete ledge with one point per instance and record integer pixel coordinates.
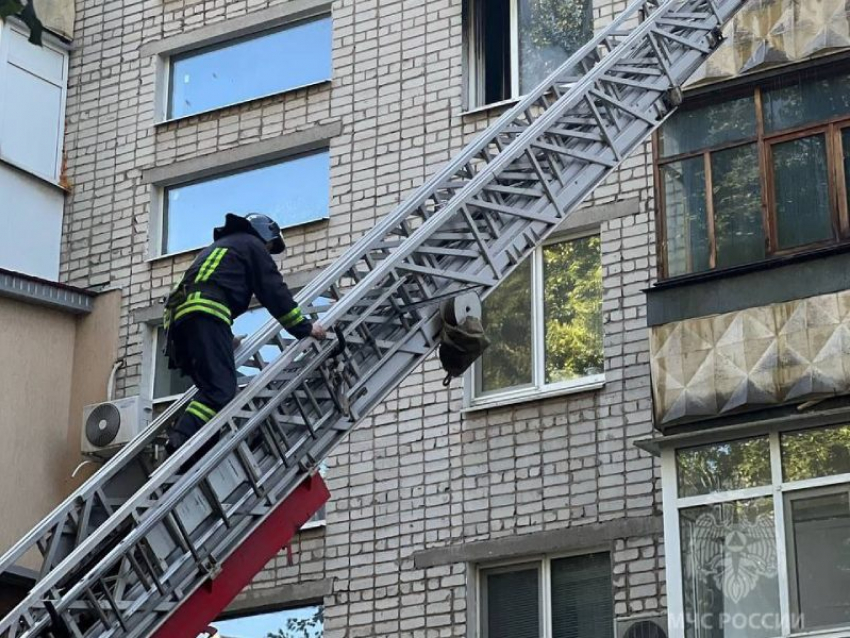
(589, 217)
(294, 595)
(233, 159)
(562, 540)
(237, 27)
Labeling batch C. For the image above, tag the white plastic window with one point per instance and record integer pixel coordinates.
(758, 535)
(33, 83)
(544, 323)
(294, 56)
(513, 45)
(293, 191)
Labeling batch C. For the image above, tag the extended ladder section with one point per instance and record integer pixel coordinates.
(123, 554)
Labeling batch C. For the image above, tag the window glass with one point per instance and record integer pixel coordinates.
(820, 527)
(303, 622)
(736, 193)
(227, 74)
(582, 599)
(292, 192)
(723, 466)
(729, 569)
(166, 383)
(512, 603)
(694, 129)
(686, 222)
(814, 453)
(507, 362)
(806, 102)
(801, 191)
(549, 33)
(572, 292)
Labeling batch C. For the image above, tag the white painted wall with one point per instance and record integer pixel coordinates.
(30, 224)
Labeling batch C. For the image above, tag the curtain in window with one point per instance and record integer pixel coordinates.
(513, 604)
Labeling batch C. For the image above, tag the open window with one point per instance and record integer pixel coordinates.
(513, 45)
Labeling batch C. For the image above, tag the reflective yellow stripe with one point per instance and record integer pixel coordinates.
(208, 263)
(210, 266)
(203, 408)
(196, 298)
(291, 318)
(200, 307)
(195, 412)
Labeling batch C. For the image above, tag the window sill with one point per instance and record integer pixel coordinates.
(588, 384)
(493, 106)
(804, 254)
(181, 118)
(311, 525)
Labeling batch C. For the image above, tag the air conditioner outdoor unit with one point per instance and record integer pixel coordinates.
(642, 626)
(107, 426)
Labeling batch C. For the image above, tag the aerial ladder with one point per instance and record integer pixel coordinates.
(154, 549)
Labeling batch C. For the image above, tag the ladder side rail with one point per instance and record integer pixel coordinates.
(267, 333)
(339, 310)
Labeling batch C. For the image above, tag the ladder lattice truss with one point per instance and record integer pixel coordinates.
(120, 555)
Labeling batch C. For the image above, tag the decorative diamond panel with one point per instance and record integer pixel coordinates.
(752, 358)
(767, 33)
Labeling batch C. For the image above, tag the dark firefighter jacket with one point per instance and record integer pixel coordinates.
(222, 279)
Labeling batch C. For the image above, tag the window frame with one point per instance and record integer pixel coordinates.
(543, 564)
(55, 45)
(832, 129)
(158, 237)
(166, 65)
(780, 492)
(475, 89)
(267, 609)
(538, 388)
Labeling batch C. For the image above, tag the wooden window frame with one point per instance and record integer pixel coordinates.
(831, 128)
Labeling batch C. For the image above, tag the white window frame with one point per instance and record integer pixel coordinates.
(159, 207)
(474, 65)
(164, 67)
(538, 389)
(777, 490)
(544, 583)
(55, 45)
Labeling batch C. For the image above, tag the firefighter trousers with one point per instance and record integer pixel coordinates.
(204, 352)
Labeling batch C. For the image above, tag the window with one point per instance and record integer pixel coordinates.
(515, 44)
(169, 384)
(720, 209)
(554, 598)
(763, 529)
(545, 324)
(33, 81)
(294, 56)
(299, 622)
(293, 191)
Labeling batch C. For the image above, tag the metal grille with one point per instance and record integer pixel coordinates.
(121, 553)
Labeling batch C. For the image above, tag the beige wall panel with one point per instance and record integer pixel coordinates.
(37, 352)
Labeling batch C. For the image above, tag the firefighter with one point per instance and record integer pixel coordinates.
(215, 290)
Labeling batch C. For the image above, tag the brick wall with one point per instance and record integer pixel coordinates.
(418, 473)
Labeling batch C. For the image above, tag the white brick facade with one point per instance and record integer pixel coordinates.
(418, 474)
